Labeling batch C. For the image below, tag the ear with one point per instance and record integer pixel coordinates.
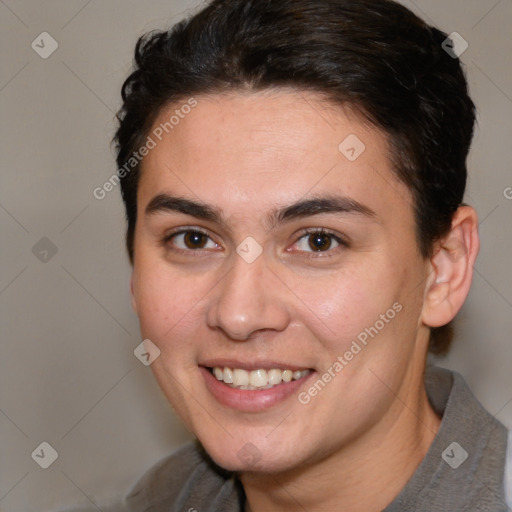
(134, 302)
(451, 269)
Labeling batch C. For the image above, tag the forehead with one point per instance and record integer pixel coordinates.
(250, 151)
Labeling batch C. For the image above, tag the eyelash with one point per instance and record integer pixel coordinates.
(309, 231)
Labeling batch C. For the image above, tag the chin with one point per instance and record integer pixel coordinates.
(246, 457)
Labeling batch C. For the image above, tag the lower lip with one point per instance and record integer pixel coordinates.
(251, 400)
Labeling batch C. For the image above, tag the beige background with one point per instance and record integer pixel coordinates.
(68, 374)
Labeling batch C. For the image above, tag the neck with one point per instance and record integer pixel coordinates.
(366, 475)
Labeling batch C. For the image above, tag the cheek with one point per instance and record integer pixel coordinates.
(344, 303)
(164, 305)
(373, 307)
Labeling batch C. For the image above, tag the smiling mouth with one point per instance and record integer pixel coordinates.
(239, 378)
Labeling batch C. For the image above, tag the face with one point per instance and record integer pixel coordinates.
(271, 245)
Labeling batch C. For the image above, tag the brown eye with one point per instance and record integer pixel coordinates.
(189, 240)
(195, 239)
(319, 241)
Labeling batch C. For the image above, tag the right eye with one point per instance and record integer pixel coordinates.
(189, 240)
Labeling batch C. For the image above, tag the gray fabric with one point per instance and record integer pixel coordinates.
(188, 480)
(477, 485)
(508, 472)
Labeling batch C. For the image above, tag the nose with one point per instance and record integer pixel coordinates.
(249, 298)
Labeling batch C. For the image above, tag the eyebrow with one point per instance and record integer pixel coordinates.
(165, 203)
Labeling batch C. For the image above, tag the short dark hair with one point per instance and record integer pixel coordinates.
(373, 55)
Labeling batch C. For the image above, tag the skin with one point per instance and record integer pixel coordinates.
(359, 440)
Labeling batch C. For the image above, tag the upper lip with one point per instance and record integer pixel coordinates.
(253, 365)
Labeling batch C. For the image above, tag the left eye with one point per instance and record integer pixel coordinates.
(318, 241)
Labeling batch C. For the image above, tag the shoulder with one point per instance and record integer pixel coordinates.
(184, 480)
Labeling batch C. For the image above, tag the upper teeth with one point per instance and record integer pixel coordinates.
(256, 379)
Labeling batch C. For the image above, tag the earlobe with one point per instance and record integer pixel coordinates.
(452, 269)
